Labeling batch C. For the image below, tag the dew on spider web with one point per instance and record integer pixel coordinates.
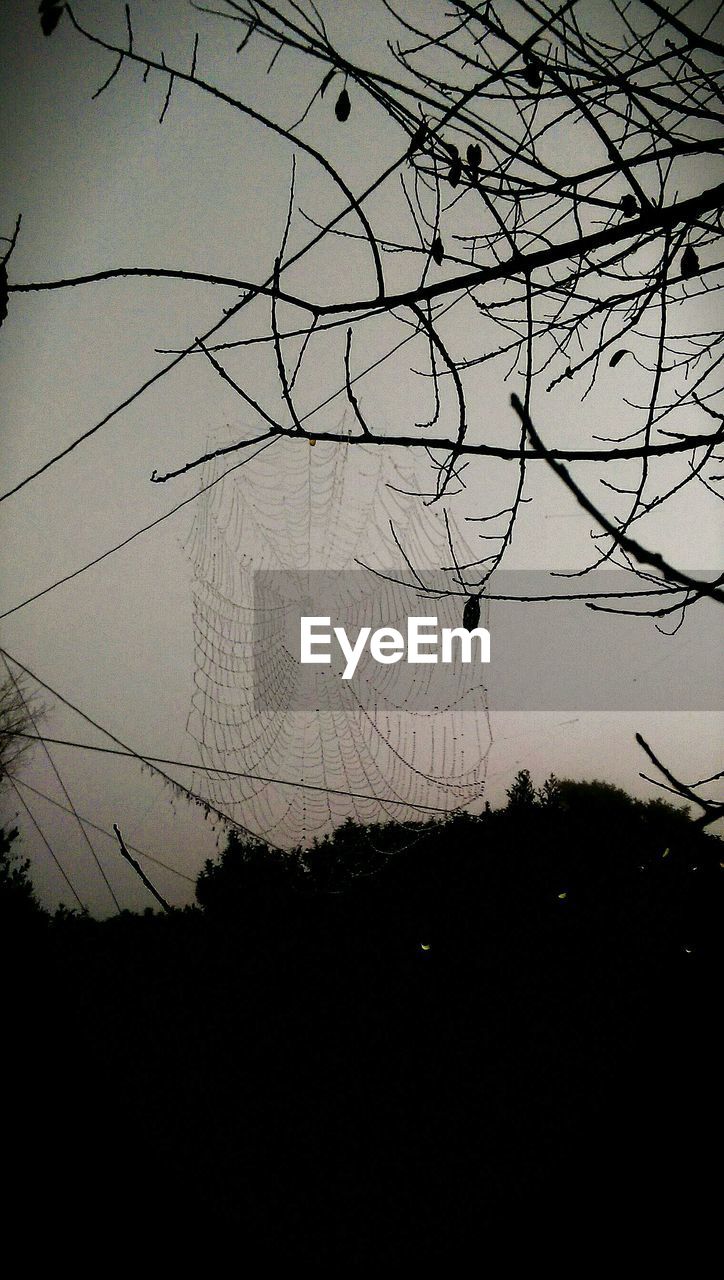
(368, 759)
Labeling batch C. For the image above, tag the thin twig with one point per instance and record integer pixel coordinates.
(139, 871)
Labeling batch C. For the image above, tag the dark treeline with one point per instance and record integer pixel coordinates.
(411, 1039)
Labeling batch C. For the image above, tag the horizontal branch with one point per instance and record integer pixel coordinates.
(167, 273)
(451, 446)
(651, 219)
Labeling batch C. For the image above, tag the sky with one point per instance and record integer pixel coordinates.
(102, 183)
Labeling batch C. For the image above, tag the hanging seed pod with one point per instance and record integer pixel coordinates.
(617, 357)
(689, 263)
(455, 172)
(50, 14)
(629, 205)
(437, 250)
(474, 156)
(471, 613)
(532, 75)
(342, 106)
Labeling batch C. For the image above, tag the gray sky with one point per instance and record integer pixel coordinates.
(102, 184)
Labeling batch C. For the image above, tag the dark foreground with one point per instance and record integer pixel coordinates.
(288, 1065)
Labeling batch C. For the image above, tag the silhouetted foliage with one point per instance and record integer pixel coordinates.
(246, 873)
(522, 794)
(549, 795)
(396, 1042)
(18, 902)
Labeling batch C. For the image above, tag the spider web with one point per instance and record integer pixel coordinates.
(302, 510)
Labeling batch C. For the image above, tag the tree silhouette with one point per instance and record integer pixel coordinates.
(18, 903)
(522, 794)
(20, 712)
(509, 1017)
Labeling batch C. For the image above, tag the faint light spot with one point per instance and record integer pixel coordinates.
(688, 950)
(665, 854)
(562, 895)
(424, 946)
